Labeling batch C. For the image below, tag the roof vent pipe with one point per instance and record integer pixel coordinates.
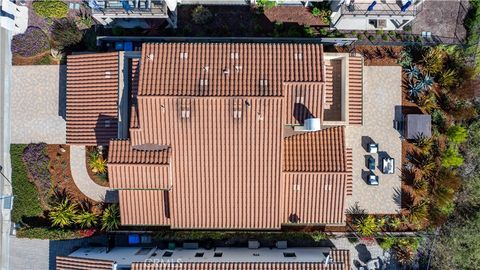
(312, 124)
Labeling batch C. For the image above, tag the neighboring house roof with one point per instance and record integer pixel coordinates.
(339, 260)
(92, 98)
(418, 125)
(227, 69)
(74, 263)
(319, 151)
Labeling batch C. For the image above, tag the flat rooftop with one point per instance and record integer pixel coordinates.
(125, 256)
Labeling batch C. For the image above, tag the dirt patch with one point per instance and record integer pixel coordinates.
(95, 177)
(293, 14)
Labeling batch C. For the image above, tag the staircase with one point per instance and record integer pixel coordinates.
(329, 87)
(355, 90)
(349, 188)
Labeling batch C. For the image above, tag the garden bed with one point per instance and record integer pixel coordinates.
(100, 179)
(40, 59)
(293, 14)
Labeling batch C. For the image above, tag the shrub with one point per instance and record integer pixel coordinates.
(379, 32)
(457, 134)
(37, 162)
(97, 163)
(266, 4)
(308, 31)
(360, 37)
(45, 60)
(371, 38)
(111, 218)
(367, 226)
(451, 157)
(323, 32)
(47, 233)
(65, 33)
(201, 15)
(384, 37)
(30, 43)
(63, 214)
(316, 12)
(50, 8)
(27, 204)
(86, 219)
(386, 243)
(407, 28)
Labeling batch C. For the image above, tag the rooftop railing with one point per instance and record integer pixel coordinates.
(127, 7)
(382, 9)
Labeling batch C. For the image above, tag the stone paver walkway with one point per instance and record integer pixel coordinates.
(382, 98)
(38, 104)
(80, 175)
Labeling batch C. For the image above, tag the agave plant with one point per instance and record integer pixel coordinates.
(448, 78)
(111, 218)
(413, 72)
(62, 215)
(414, 89)
(426, 82)
(403, 255)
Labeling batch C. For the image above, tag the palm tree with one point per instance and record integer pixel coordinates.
(97, 163)
(417, 213)
(86, 219)
(111, 218)
(62, 215)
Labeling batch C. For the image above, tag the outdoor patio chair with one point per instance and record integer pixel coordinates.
(373, 180)
(371, 163)
(373, 147)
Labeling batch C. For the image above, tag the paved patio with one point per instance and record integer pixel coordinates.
(381, 98)
(38, 100)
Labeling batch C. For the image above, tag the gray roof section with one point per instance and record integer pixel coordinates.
(418, 124)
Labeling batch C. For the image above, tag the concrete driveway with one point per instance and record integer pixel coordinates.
(38, 104)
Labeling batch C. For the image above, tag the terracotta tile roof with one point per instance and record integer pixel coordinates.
(319, 151)
(355, 90)
(227, 69)
(314, 198)
(74, 263)
(340, 260)
(144, 207)
(225, 152)
(303, 100)
(92, 98)
(138, 176)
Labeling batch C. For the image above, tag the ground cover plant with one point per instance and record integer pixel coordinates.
(30, 43)
(52, 9)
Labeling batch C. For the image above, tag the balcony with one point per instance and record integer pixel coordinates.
(129, 8)
(380, 9)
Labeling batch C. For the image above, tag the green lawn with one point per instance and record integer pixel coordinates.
(26, 203)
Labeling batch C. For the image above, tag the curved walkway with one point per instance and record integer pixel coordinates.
(80, 175)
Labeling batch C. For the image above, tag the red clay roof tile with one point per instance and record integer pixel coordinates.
(92, 98)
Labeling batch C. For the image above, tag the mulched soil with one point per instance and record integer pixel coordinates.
(60, 170)
(293, 14)
(376, 55)
(92, 175)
